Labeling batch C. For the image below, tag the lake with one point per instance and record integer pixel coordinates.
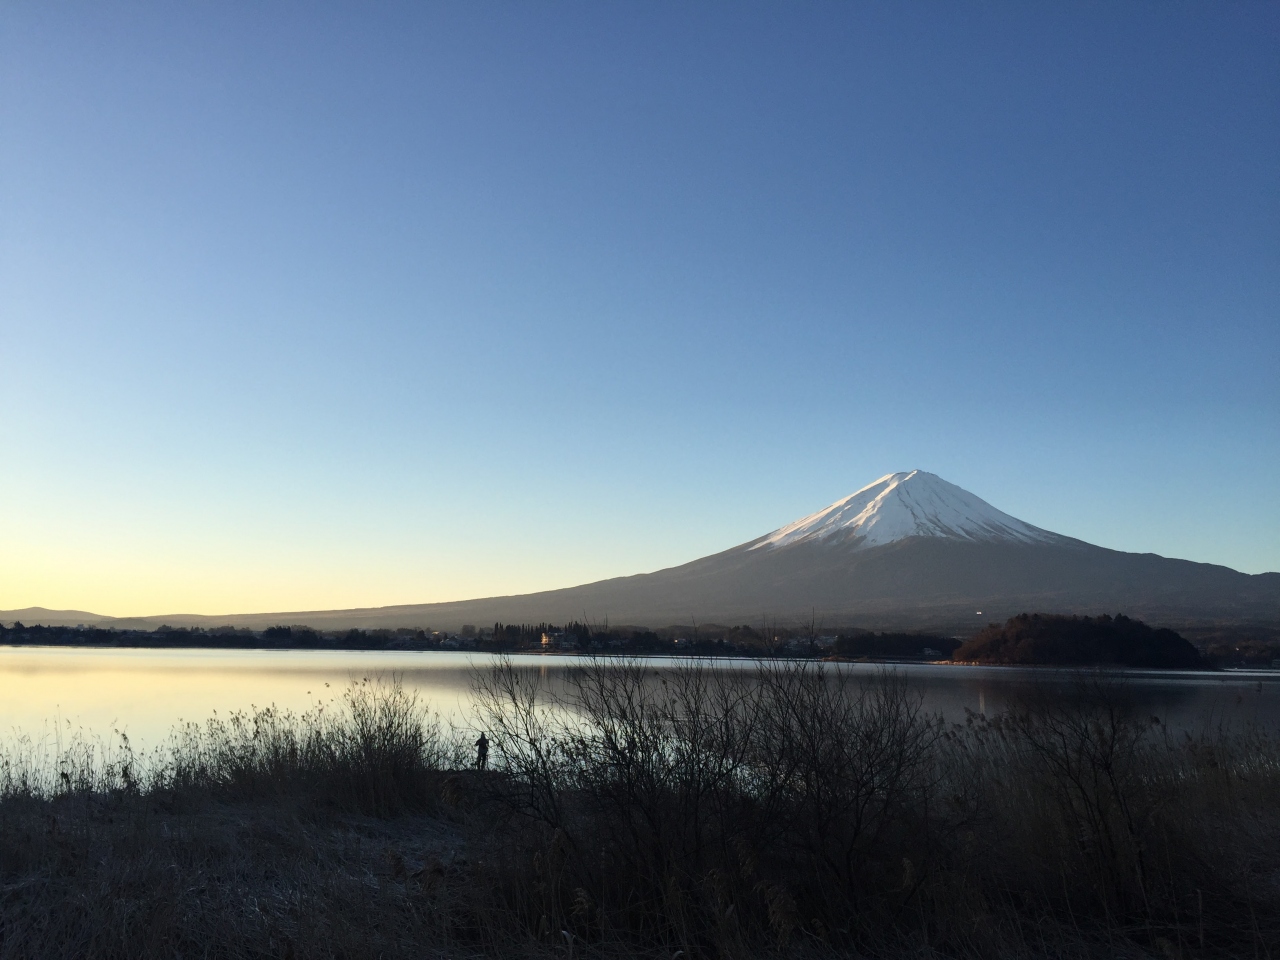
(145, 692)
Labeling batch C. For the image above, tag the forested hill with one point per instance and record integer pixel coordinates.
(1036, 638)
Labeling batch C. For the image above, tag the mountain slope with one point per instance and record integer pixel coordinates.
(909, 550)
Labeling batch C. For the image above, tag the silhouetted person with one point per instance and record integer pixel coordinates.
(482, 752)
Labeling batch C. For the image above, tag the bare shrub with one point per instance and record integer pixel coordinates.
(1093, 817)
(698, 806)
(850, 767)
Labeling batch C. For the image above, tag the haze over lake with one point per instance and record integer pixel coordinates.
(145, 693)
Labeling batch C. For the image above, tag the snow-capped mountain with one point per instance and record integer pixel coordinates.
(901, 505)
(906, 552)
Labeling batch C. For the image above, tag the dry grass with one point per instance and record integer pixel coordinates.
(695, 812)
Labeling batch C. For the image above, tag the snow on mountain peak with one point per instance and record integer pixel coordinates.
(901, 505)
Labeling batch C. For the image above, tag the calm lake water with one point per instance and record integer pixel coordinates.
(144, 693)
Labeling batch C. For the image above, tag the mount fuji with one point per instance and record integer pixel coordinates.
(909, 551)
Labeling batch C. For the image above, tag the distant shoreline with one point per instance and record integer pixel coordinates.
(1266, 673)
(1048, 640)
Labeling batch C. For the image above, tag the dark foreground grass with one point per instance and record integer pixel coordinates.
(693, 813)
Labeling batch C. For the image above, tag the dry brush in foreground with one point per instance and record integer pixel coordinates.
(789, 810)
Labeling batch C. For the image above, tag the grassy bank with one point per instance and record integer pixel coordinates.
(696, 812)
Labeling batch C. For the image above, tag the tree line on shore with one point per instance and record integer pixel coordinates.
(1026, 639)
(574, 637)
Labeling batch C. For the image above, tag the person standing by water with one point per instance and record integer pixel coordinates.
(482, 752)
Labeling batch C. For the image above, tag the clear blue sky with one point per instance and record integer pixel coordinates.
(317, 305)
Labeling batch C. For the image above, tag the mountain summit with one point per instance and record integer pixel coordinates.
(901, 505)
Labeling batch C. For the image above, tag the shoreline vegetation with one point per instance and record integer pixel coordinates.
(796, 811)
(1027, 640)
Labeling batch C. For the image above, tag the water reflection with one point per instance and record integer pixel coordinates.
(146, 692)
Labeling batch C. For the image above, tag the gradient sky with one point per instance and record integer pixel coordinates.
(314, 305)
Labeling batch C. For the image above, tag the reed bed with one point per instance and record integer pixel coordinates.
(791, 810)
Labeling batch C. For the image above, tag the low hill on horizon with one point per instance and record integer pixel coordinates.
(1058, 640)
(909, 551)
